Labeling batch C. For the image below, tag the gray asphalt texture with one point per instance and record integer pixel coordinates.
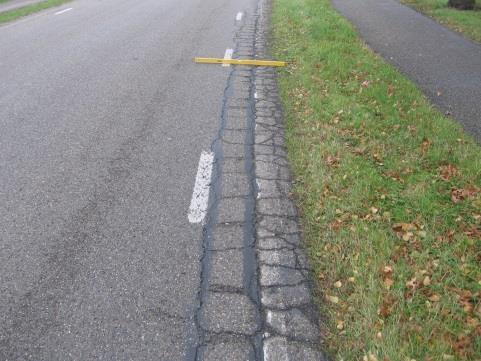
(434, 57)
(103, 118)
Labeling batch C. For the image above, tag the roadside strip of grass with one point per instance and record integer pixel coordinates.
(389, 192)
(14, 14)
(467, 22)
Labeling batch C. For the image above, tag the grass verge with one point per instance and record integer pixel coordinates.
(389, 194)
(465, 22)
(14, 14)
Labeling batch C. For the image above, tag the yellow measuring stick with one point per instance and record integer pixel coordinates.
(240, 62)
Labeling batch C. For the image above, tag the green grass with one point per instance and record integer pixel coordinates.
(376, 171)
(465, 22)
(14, 14)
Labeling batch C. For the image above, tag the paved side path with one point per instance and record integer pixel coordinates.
(437, 59)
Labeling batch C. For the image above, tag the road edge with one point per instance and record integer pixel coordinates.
(291, 319)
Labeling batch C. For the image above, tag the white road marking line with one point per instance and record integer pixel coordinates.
(62, 11)
(239, 16)
(200, 195)
(228, 55)
(280, 349)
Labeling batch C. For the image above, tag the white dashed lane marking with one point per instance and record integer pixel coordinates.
(228, 55)
(63, 11)
(200, 195)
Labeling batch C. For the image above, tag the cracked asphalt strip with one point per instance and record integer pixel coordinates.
(254, 299)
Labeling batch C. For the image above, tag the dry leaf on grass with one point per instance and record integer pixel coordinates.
(412, 283)
(386, 306)
(446, 172)
(473, 232)
(460, 194)
(405, 231)
(387, 277)
(359, 151)
(388, 282)
(333, 299)
(426, 281)
(462, 344)
(404, 227)
(390, 90)
(426, 143)
(395, 176)
(332, 159)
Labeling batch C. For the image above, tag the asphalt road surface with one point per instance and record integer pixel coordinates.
(445, 65)
(103, 119)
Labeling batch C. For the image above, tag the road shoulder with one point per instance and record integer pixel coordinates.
(255, 295)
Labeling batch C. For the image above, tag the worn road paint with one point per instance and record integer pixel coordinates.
(62, 11)
(239, 16)
(227, 61)
(228, 56)
(200, 195)
(280, 350)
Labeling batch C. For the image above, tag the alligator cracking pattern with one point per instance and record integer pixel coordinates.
(254, 300)
(229, 318)
(291, 322)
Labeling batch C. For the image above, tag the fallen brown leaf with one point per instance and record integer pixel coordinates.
(387, 270)
(412, 283)
(473, 232)
(472, 322)
(388, 282)
(426, 143)
(332, 160)
(462, 343)
(390, 89)
(386, 306)
(359, 151)
(404, 227)
(395, 176)
(377, 157)
(333, 299)
(460, 194)
(446, 172)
